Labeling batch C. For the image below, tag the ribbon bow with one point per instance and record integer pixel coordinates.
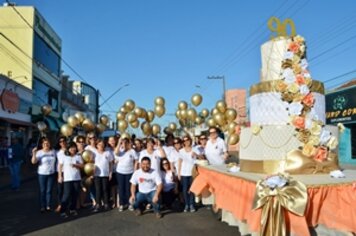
(292, 197)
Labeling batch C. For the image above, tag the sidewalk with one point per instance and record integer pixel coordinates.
(28, 172)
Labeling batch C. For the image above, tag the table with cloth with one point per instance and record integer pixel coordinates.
(331, 202)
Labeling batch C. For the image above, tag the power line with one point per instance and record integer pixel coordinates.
(339, 76)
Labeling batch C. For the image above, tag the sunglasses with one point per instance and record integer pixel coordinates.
(165, 163)
(80, 142)
(212, 132)
(62, 141)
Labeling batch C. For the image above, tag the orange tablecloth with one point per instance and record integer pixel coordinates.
(332, 204)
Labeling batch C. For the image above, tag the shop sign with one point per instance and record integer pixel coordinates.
(341, 106)
(10, 101)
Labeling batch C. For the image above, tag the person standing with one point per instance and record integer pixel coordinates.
(150, 186)
(46, 160)
(154, 154)
(170, 183)
(215, 149)
(16, 155)
(69, 174)
(111, 144)
(62, 146)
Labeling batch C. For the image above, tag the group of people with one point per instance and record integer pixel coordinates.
(146, 173)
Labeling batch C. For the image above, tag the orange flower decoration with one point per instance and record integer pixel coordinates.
(300, 79)
(299, 122)
(321, 154)
(294, 47)
(308, 100)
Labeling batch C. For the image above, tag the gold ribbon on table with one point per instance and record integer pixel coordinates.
(292, 197)
(295, 163)
(269, 86)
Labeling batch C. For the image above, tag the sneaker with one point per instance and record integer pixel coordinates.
(48, 209)
(192, 209)
(121, 208)
(158, 215)
(138, 212)
(186, 209)
(73, 212)
(96, 209)
(131, 208)
(148, 206)
(64, 215)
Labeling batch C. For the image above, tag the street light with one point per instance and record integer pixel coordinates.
(223, 80)
(113, 94)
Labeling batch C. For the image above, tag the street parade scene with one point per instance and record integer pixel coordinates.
(178, 117)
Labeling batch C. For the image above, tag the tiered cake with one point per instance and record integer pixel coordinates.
(287, 114)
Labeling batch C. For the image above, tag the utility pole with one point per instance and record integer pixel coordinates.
(223, 82)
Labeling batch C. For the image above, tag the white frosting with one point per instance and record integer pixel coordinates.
(272, 53)
(269, 109)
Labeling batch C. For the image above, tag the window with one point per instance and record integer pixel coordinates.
(44, 55)
(43, 94)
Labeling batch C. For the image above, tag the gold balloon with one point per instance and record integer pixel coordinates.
(172, 126)
(192, 114)
(80, 116)
(124, 109)
(104, 119)
(131, 117)
(146, 128)
(89, 169)
(120, 115)
(230, 114)
(46, 109)
(159, 101)
(122, 125)
(41, 126)
(233, 139)
(199, 120)
(211, 122)
(129, 104)
(139, 111)
(182, 123)
(219, 119)
(167, 130)
(88, 182)
(144, 114)
(231, 127)
(159, 110)
(150, 116)
(88, 125)
(178, 114)
(66, 130)
(221, 106)
(88, 156)
(204, 113)
(100, 128)
(196, 99)
(214, 111)
(156, 129)
(183, 114)
(72, 121)
(135, 124)
(125, 135)
(182, 105)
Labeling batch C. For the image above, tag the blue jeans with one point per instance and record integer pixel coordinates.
(46, 185)
(147, 197)
(15, 168)
(123, 181)
(188, 196)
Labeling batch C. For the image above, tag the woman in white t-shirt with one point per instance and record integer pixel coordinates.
(126, 161)
(62, 146)
(155, 155)
(103, 173)
(170, 183)
(185, 167)
(69, 174)
(46, 160)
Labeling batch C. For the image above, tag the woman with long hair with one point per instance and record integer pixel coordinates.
(61, 148)
(170, 183)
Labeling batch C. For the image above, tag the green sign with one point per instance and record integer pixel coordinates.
(341, 106)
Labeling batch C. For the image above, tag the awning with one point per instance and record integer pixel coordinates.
(52, 124)
(17, 122)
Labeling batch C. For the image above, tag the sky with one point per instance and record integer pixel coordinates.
(168, 48)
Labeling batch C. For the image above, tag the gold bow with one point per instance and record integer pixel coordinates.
(292, 197)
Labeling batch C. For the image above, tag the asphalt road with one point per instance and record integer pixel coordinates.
(19, 215)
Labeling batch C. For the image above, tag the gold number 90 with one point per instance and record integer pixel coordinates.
(275, 25)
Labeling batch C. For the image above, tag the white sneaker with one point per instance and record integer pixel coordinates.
(131, 208)
(121, 208)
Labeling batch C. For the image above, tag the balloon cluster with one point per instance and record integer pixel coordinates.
(89, 167)
(129, 114)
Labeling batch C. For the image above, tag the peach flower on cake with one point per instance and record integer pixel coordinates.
(294, 47)
(299, 79)
(308, 100)
(321, 154)
(299, 122)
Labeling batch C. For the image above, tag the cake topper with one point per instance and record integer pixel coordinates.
(275, 25)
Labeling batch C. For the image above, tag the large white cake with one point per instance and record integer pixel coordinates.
(287, 114)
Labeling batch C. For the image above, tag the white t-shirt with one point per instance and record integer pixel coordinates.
(168, 181)
(71, 173)
(102, 163)
(109, 149)
(187, 162)
(214, 152)
(146, 181)
(46, 162)
(173, 158)
(60, 154)
(168, 150)
(198, 149)
(155, 158)
(126, 162)
(92, 149)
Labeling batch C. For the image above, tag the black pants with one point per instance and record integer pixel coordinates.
(101, 190)
(70, 195)
(124, 187)
(168, 198)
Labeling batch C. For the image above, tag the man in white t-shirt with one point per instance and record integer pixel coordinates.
(150, 186)
(215, 149)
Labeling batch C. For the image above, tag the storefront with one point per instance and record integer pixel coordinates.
(341, 108)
